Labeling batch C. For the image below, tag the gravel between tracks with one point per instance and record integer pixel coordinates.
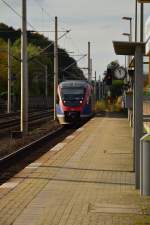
(9, 144)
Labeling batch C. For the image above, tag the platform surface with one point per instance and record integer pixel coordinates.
(87, 179)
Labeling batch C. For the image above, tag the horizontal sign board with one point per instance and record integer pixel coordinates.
(144, 1)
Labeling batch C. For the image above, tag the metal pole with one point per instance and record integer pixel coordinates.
(9, 79)
(90, 69)
(133, 111)
(103, 89)
(141, 22)
(135, 20)
(24, 72)
(138, 116)
(133, 126)
(55, 65)
(129, 35)
(125, 62)
(89, 63)
(129, 57)
(130, 30)
(99, 88)
(138, 102)
(130, 39)
(95, 86)
(46, 92)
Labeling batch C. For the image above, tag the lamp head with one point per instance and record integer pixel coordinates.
(126, 18)
(126, 34)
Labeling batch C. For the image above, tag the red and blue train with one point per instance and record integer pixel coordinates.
(75, 101)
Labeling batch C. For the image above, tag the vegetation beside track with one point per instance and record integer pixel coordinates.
(37, 58)
(106, 105)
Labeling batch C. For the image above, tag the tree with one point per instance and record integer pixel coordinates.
(113, 64)
(36, 43)
(116, 86)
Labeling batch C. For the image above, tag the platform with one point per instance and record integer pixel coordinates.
(87, 179)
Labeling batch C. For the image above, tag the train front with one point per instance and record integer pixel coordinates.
(71, 100)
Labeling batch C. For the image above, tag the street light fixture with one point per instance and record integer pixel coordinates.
(130, 19)
(126, 18)
(126, 34)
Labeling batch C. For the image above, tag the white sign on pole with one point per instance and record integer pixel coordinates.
(147, 35)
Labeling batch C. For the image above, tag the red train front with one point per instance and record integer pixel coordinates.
(75, 101)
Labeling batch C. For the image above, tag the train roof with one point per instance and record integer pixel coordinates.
(73, 83)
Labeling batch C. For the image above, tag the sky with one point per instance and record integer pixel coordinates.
(97, 21)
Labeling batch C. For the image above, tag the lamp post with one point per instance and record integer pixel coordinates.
(130, 20)
(128, 34)
(129, 58)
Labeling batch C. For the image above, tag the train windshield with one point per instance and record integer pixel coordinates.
(72, 93)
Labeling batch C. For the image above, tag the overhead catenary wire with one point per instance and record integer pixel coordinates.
(48, 14)
(75, 47)
(74, 44)
(44, 49)
(35, 30)
(73, 63)
(43, 10)
(12, 9)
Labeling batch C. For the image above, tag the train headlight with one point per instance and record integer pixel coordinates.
(81, 102)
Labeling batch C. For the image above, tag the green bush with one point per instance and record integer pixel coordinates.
(106, 106)
(100, 106)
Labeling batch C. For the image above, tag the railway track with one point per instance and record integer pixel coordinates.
(14, 162)
(30, 147)
(8, 121)
(7, 115)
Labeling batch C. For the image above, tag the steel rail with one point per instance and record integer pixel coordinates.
(6, 161)
(15, 121)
